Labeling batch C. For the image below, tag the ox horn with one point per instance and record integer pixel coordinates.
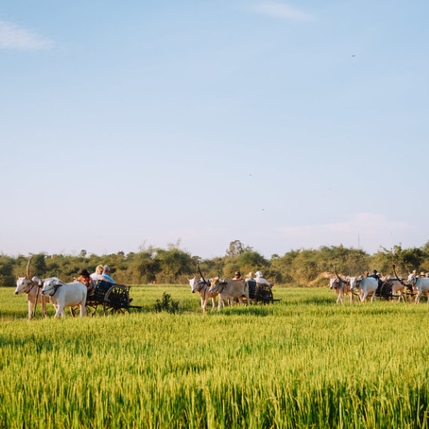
(408, 286)
(28, 276)
(339, 278)
(27, 271)
(201, 274)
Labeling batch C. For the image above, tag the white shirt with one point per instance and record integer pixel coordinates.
(96, 276)
(262, 281)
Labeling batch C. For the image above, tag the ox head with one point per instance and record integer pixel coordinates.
(51, 285)
(25, 284)
(412, 279)
(334, 283)
(354, 282)
(194, 284)
(217, 285)
(214, 285)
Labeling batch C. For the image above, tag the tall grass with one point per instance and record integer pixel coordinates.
(301, 362)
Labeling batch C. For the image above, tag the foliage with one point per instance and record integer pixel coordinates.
(174, 265)
(166, 304)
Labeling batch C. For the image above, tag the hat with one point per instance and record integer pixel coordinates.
(106, 268)
(237, 273)
(258, 274)
(84, 273)
(250, 275)
(422, 274)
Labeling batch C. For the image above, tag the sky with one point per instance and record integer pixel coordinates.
(286, 125)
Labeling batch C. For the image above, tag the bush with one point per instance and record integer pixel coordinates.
(166, 304)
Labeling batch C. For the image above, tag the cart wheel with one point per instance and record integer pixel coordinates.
(116, 300)
(91, 307)
(386, 291)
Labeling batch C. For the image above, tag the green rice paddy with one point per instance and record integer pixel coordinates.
(302, 362)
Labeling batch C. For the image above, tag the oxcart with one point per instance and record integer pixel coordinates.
(111, 298)
(259, 292)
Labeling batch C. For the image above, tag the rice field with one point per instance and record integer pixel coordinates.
(303, 362)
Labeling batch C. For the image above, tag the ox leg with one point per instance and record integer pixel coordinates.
(83, 309)
(60, 311)
(418, 298)
(30, 310)
(45, 313)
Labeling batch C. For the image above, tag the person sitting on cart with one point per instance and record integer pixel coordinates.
(106, 271)
(86, 279)
(237, 276)
(260, 279)
(98, 273)
(100, 282)
(249, 277)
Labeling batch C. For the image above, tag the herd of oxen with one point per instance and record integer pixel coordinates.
(385, 287)
(53, 290)
(225, 291)
(74, 294)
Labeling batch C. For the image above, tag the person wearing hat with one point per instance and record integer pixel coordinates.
(237, 276)
(86, 279)
(106, 275)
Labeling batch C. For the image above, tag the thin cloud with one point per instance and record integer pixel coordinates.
(14, 37)
(281, 10)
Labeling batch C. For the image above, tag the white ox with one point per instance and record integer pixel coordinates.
(65, 294)
(202, 288)
(341, 287)
(367, 286)
(229, 290)
(421, 284)
(32, 290)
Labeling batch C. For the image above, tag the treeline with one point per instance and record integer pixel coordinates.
(305, 267)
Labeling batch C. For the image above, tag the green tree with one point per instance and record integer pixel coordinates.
(175, 264)
(6, 271)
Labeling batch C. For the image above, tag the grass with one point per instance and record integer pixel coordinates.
(301, 362)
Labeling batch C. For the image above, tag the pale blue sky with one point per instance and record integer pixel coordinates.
(285, 125)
